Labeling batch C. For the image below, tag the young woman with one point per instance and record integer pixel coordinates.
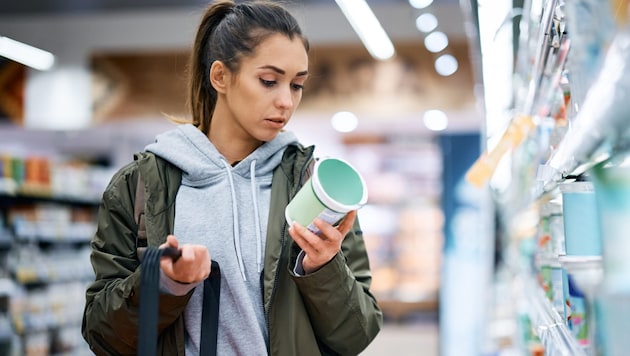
(216, 188)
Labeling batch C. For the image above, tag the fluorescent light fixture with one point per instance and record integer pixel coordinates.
(26, 54)
(366, 25)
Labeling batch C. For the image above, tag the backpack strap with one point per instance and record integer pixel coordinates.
(138, 215)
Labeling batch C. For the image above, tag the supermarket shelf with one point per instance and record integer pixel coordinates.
(11, 195)
(601, 126)
(576, 110)
(549, 325)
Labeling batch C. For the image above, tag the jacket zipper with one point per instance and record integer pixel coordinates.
(292, 191)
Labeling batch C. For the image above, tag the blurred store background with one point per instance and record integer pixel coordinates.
(410, 121)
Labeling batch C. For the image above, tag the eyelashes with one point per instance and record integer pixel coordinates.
(272, 83)
(267, 83)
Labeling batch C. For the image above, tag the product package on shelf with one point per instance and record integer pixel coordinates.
(591, 27)
(52, 222)
(541, 102)
(601, 123)
(54, 177)
(46, 258)
(49, 319)
(550, 246)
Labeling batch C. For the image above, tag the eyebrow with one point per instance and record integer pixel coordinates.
(281, 71)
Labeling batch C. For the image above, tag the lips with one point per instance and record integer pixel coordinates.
(276, 122)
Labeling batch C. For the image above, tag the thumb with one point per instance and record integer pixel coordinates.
(171, 241)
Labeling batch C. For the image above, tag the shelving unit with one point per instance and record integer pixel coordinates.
(47, 219)
(46, 267)
(570, 121)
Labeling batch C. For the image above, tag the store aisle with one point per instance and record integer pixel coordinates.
(417, 337)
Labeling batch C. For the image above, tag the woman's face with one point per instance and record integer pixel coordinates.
(262, 96)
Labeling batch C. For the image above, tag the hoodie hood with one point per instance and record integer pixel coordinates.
(190, 150)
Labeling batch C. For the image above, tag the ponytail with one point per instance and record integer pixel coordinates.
(203, 96)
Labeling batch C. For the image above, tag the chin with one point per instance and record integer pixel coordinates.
(268, 137)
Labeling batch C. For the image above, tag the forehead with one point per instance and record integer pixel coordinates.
(280, 51)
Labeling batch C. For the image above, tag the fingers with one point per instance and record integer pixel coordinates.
(193, 265)
(318, 249)
(299, 235)
(347, 223)
(188, 252)
(329, 231)
(171, 241)
(327, 241)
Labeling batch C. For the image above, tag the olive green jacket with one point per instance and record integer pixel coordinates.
(328, 312)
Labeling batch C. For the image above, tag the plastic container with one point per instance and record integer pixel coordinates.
(551, 229)
(581, 221)
(334, 189)
(577, 315)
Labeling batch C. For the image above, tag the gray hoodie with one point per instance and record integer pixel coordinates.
(224, 208)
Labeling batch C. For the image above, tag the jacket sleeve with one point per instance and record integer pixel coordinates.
(110, 319)
(344, 313)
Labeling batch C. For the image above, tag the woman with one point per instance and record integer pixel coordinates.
(216, 188)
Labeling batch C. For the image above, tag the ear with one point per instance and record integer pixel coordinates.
(219, 76)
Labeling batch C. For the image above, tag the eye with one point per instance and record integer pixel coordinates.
(297, 86)
(267, 83)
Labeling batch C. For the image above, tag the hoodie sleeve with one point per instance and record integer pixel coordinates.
(110, 319)
(344, 313)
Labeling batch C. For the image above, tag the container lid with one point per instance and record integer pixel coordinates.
(338, 185)
(577, 187)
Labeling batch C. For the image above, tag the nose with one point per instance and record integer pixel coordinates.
(285, 98)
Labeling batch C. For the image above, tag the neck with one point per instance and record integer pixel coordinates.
(232, 146)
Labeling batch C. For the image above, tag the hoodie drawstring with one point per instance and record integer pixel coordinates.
(252, 174)
(237, 235)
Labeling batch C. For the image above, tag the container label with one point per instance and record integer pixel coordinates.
(329, 216)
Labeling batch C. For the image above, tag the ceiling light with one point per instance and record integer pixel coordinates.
(446, 65)
(435, 120)
(366, 25)
(26, 54)
(426, 22)
(420, 4)
(344, 121)
(435, 41)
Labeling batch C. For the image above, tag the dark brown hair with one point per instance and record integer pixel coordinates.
(227, 33)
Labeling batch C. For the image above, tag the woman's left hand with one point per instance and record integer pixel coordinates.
(320, 249)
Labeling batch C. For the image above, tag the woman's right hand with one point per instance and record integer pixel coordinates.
(193, 266)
